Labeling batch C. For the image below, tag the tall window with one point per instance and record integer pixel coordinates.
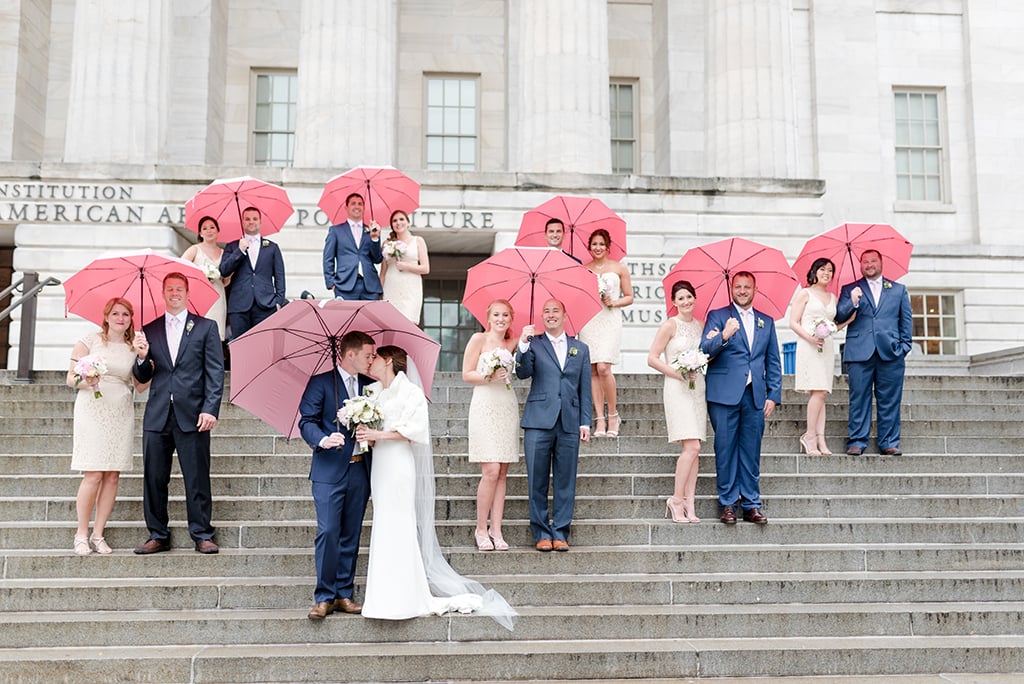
(622, 114)
(273, 130)
(935, 322)
(451, 123)
(919, 154)
(445, 320)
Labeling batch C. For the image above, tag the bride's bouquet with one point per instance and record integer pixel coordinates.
(498, 357)
(358, 411)
(211, 271)
(822, 328)
(394, 249)
(90, 366)
(689, 363)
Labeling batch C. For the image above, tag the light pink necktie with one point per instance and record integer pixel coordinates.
(173, 337)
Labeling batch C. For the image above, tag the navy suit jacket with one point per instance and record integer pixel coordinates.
(196, 379)
(555, 392)
(887, 327)
(263, 285)
(730, 362)
(342, 257)
(319, 406)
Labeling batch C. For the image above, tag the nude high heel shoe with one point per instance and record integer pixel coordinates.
(615, 432)
(822, 447)
(599, 429)
(808, 445)
(677, 509)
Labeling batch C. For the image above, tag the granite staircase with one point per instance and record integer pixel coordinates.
(870, 566)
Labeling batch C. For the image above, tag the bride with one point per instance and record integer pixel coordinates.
(407, 576)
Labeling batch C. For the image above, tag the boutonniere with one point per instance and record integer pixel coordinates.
(366, 228)
(573, 351)
(367, 392)
(760, 322)
(188, 327)
(886, 285)
(265, 243)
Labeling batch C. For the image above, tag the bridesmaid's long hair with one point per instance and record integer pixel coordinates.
(512, 313)
(391, 221)
(812, 275)
(399, 359)
(129, 332)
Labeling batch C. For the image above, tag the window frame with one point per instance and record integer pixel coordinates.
(957, 334)
(944, 203)
(428, 165)
(634, 86)
(254, 103)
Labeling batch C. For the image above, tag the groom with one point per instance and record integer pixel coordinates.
(555, 420)
(341, 478)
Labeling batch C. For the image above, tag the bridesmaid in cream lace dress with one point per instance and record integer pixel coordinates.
(603, 334)
(206, 255)
(493, 422)
(402, 278)
(686, 411)
(815, 356)
(104, 426)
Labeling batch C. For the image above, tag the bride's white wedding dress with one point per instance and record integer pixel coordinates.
(407, 576)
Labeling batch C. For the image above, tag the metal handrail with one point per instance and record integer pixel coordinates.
(31, 286)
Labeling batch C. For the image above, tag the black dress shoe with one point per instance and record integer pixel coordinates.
(728, 515)
(754, 515)
(152, 546)
(891, 451)
(855, 451)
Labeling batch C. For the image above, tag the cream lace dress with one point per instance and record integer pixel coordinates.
(686, 410)
(104, 428)
(603, 333)
(493, 423)
(403, 288)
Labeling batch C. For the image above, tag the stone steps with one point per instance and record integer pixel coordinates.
(870, 566)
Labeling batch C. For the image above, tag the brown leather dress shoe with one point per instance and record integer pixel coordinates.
(560, 545)
(891, 451)
(207, 546)
(754, 515)
(854, 451)
(347, 605)
(728, 515)
(152, 546)
(320, 610)
(544, 545)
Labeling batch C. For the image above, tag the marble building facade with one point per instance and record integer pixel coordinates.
(773, 120)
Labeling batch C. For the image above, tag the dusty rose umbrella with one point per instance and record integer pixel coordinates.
(581, 217)
(527, 277)
(226, 199)
(383, 188)
(710, 268)
(272, 362)
(845, 244)
(137, 277)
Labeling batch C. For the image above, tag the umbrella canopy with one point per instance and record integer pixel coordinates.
(272, 362)
(137, 277)
(226, 199)
(581, 216)
(527, 277)
(845, 244)
(710, 269)
(384, 190)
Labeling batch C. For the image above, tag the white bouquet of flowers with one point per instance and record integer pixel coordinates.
(822, 328)
(90, 366)
(211, 271)
(361, 411)
(394, 249)
(498, 357)
(605, 286)
(689, 363)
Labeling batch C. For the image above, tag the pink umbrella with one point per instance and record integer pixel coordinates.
(226, 199)
(384, 190)
(527, 277)
(581, 216)
(137, 277)
(710, 269)
(272, 363)
(845, 244)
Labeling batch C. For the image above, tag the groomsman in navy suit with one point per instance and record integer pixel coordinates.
(340, 477)
(556, 418)
(257, 270)
(554, 234)
(743, 387)
(877, 343)
(350, 253)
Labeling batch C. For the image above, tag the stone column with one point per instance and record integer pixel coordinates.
(24, 60)
(558, 62)
(115, 106)
(751, 115)
(347, 102)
